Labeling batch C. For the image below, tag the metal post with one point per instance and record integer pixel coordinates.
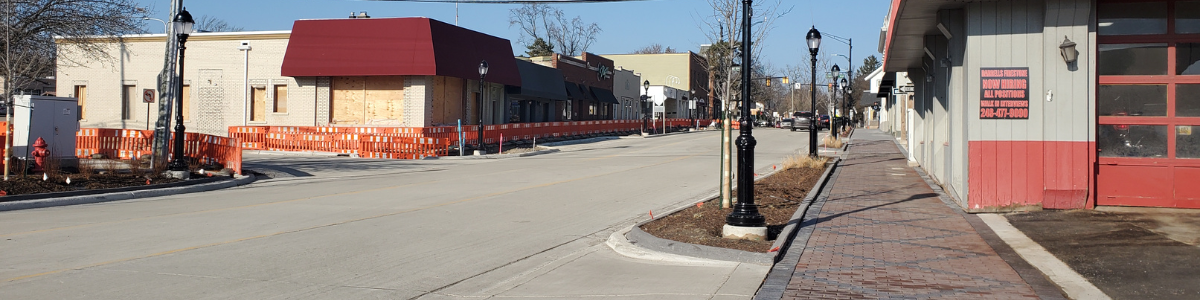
(480, 108)
(812, 128)
(178, 163)
(745, 212)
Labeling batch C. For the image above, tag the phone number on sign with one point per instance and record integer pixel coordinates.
(1004, 113)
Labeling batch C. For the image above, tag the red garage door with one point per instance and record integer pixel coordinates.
(1148, 102)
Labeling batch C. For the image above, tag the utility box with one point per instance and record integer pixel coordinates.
(54, 119)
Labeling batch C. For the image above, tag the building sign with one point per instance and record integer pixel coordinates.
(1004, 93)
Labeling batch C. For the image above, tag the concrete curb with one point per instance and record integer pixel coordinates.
(117, 196)
(671, 133)
(647, 241)
(800, 228)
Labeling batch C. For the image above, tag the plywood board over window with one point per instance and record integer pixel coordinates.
(347, 96)
(377, 100)
(281, 98)
(129, 99)
(384, 97)
(258, 104)
(447, 100)
(187, 102)
(81, 94)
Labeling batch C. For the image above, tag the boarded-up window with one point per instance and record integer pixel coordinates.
(281, 97)
(186, 93)
(130, 98)
(258, 104)
(81, 94)
(367, 100)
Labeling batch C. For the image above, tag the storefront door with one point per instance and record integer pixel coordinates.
(1148, 102)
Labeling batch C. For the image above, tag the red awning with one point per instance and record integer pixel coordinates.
(396, 46)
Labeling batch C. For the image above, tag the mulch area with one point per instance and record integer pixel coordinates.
(777, 196)
(33, 184)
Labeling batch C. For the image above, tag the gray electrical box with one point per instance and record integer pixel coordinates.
(54, 119)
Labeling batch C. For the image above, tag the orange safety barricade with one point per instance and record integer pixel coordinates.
(129, 143)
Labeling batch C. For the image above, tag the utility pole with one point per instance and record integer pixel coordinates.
(166, 90)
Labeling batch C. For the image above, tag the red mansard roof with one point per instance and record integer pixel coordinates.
(396, 46)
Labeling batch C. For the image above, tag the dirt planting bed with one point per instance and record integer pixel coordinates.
(777, 196)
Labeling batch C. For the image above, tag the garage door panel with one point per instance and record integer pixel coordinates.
(1188, 185)
(1150, 182)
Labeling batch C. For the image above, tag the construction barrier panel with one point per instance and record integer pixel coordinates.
(130, 143)
(420, 142)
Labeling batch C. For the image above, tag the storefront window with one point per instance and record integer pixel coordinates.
(1132, 140)
(1132, 100)
(1187, 59)
(1187, 144)
(1187, 17)
(1187, 100)
(1133, 59)
(1131, 18)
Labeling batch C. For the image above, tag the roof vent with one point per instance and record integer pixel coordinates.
(360, 15)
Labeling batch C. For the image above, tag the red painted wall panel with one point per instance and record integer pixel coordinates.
(1018, 173)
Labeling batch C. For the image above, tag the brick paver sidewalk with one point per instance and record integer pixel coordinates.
(883, 233)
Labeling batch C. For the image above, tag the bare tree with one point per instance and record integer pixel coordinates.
(208, 23)
(655, 48)
(31, 27)
(539, 21)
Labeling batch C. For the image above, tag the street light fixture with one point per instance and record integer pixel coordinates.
(814, 45)
(483, 70)
(745, 222)
(182, 27)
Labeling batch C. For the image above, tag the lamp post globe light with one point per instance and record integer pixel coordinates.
(183, 27)
(745, 222)
(483, 69)
(814, 44)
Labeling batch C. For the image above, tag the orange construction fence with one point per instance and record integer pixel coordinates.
(421, 142)
(130, 143)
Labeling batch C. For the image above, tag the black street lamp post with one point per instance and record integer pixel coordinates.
(183, 27)
(844, 87)
(814, 45)
(645, 105)
(833, 91)
(483, 69)
(745, 212)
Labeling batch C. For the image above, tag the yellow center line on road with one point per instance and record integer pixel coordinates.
(338, 223)
(228, 208)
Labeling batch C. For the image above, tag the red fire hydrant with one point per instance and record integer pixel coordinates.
(39, 154)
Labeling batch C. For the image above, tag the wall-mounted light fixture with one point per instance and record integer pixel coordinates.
(1067, 48)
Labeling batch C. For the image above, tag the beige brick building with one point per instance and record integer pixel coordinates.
(304, 77)
(215, 94)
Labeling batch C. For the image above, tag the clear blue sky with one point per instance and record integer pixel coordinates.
(627, 25)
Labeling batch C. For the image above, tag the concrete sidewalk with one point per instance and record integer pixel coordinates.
(884, 233)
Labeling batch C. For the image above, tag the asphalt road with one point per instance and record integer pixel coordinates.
(344, 228)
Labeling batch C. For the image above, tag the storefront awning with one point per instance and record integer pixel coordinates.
(605, 96)
(396, 46)
(909, 21)
(539, 82)
(578, 92)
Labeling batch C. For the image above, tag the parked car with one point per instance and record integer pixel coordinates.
(824, 124)
(801, 120)
(786, 123)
